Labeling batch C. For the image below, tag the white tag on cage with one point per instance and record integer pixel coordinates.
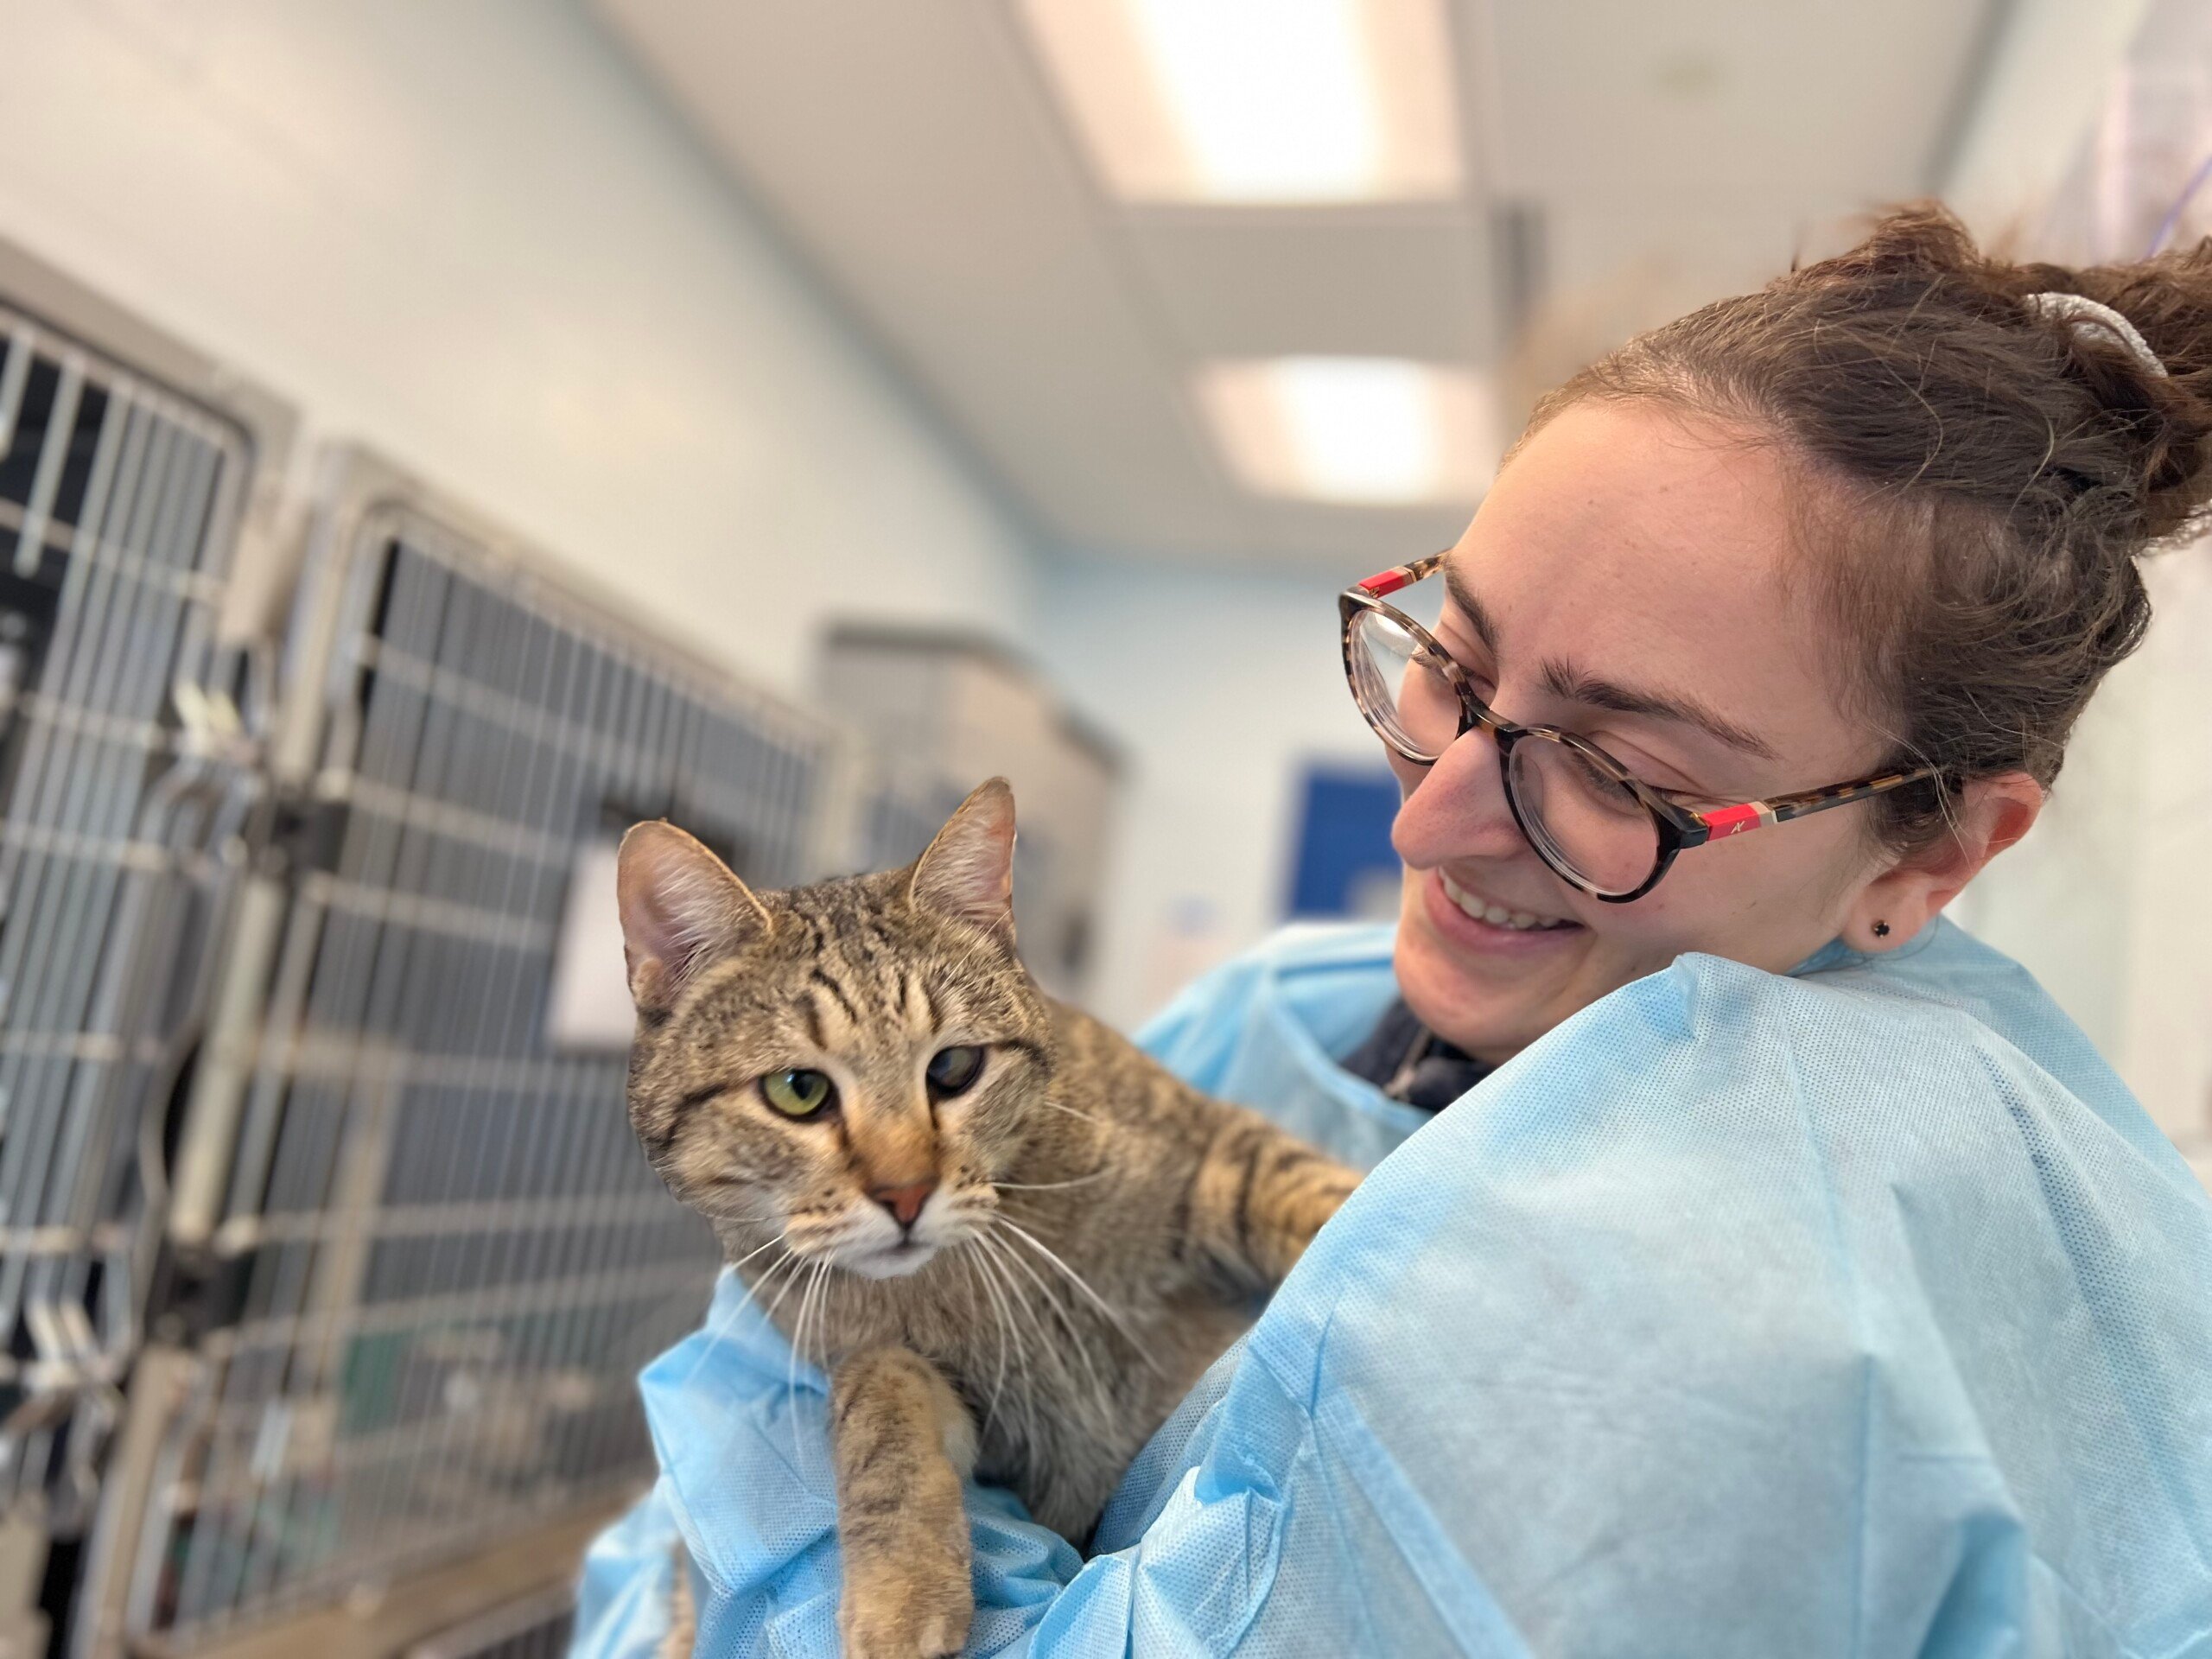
(587, 1004)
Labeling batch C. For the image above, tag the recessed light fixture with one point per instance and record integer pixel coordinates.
(1382, 431)
(1281, 101)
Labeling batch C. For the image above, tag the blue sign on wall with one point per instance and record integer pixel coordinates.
(1344, 865)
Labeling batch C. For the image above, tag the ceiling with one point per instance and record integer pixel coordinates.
(1623, 159)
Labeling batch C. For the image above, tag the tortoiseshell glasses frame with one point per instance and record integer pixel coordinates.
(1675, 827)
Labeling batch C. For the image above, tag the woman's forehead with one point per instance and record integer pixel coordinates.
(1651, 488)
(1644, 546)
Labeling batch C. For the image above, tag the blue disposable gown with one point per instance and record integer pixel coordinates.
(1858, 1310)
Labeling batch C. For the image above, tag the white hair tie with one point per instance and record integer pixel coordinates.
(2079, 308)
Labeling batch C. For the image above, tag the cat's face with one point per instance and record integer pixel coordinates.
(846, 1067)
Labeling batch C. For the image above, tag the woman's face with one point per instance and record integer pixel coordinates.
(1628, 558)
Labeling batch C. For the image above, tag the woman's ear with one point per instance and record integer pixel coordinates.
(1990, 815)
(681, 908)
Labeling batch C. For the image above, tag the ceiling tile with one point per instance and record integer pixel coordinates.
(1627, 98)
(1388, 284)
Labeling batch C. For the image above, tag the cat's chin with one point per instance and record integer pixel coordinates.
(894, 1263)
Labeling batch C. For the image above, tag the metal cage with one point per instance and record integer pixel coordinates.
(430, 1256)
(132, 473)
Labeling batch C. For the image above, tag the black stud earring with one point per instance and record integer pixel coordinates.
(1881, 930)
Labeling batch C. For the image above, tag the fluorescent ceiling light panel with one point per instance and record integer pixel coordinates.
(1281, 101)
(1382, 431)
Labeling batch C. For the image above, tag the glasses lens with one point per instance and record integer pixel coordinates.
(1402, 695)
(1581, 817)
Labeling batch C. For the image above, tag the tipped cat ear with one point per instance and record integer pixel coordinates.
(681, 908)
(968, 872)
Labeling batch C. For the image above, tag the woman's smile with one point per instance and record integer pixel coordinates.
(1493, 915)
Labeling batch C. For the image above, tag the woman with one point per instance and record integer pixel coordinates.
(1794, 1279)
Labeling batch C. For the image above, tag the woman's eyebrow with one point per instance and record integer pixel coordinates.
(1478, 616)
(1565, 681)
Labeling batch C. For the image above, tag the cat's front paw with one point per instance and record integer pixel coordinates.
(907, 1613)
(903, 1440)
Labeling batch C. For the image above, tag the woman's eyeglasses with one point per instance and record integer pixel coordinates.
(1598, 827)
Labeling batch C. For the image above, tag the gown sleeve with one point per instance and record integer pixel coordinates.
(1741, 1315)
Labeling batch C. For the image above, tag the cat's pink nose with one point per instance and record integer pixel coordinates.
(904, 1203)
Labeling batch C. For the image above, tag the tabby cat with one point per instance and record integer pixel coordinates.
(1011, 1239)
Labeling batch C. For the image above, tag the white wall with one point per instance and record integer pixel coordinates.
(459, 230)
(1221, 687)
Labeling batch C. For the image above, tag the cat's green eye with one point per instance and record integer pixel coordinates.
(952, 1070)
(799, 1094)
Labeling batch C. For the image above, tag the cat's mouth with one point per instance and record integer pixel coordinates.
(864, 1239)
(889, 1261)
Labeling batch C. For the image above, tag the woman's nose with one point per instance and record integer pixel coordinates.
(1456, 808)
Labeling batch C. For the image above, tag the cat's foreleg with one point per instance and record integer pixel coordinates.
(1259, 1196)
(902, 1444)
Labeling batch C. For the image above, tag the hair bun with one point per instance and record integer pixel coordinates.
(2151, 387)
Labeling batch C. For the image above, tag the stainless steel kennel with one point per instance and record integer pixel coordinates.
(431, 1257)
(130, 474)
(326, 1255)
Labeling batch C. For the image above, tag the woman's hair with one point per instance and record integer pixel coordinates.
(1991, 473)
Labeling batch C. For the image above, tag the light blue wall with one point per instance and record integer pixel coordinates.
(1220, 686)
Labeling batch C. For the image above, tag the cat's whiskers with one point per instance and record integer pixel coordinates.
(774, 1239)
(1052, 1301)
(751, 1202)
(968, 1266)
(996, 1256)
(963, 1218)
(815, 1276)
(1099, 1174)
(783, 1290)
(1032, 1324)
(1071, 1111)
(987, 1288)
(722, 1326)
(978, 1269)
(822, 1238)
(816, 1286)
(1084, 1285)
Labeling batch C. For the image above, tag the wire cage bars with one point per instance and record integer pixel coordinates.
(434, 1255)
(123, 776)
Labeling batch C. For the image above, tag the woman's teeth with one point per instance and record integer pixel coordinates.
(1496, 915)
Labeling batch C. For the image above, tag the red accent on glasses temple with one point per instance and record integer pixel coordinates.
(1388, 581)
(1734, 820)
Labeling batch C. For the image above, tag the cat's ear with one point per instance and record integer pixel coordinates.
(968, 872)
(681, 908)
